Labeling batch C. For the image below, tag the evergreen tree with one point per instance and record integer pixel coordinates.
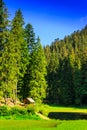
(30, 37)
(4, 23)
(19, 51)
(84, 78)
(30, 40)
(66, 83)
(37, 82)
(52, 78)
(70, 73)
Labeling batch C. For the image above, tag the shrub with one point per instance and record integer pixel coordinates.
(4, 111)
(18, 111)
(43, 110)
(31, 109)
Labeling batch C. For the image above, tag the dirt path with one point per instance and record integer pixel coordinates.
(42, 116)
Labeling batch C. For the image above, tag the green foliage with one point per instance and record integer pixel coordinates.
(42, 110)
(4, 111)
(18, 111)
(30, 40)
(67, 69)
(30, 37)
(31, 109)
(57, 74)
(37, 74)
(4, 33)
(14, 57)
(1, 95)
(34, 83)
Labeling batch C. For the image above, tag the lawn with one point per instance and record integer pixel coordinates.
(42, 125)
(65, 109)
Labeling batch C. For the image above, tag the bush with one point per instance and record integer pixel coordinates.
(31, 109)
(42, 110)
(18, 111)
(33, 116)
(4, 111)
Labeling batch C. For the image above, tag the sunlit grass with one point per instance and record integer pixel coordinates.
(27, 124)
(43, 125)
(65, 109)
(47, 124)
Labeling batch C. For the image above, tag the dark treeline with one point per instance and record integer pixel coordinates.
(67, 69)
(56, 74)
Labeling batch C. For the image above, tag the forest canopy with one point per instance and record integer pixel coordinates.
(55, 74)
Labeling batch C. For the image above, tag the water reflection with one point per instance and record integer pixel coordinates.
(67, 115)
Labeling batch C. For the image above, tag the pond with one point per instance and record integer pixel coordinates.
(67, 115)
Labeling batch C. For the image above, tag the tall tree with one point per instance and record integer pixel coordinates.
(52, 77)
(84, 78)
(4, 22)
(30, 37)
(37, 83)
(30, 40)
(19, 53)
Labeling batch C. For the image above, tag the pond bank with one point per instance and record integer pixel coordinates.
(67, 115)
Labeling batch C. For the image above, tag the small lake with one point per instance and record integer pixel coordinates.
(67, 115)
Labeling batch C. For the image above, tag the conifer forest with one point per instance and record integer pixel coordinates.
(53, 74)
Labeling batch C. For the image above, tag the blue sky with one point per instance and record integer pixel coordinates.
(51, 19)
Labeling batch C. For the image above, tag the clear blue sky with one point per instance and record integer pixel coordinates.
(51, 19)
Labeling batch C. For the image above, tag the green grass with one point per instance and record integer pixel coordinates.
(46, 109)
(42, 125)
(73, 125)
(65, 109)
(22, 123)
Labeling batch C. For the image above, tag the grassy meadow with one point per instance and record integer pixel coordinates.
(46, 109)
(65, 109)
(42, 124)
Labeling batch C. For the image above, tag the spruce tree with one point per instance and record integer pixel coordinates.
(30, 40)
(37, 83)
(30, 37)
(19, 51)
(4, 23)
(84, 78)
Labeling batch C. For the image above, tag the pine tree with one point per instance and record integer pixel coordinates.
(52, 90)
(37, 83)
(19, 51)
(4, 23)
(66, 83)
(30, 37)
(84, 78)
(30, 40)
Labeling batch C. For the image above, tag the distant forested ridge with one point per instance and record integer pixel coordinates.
(67, 69)
(55, 74)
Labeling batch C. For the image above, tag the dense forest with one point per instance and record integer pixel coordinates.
(67, 69)
(54, 74)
